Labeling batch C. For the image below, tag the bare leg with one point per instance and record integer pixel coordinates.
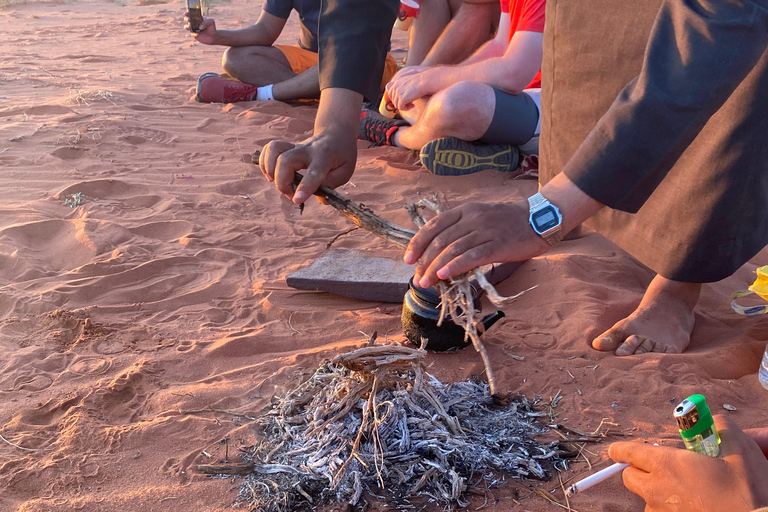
(464, 110)
(433, 18)
(663, 321)
(303, 86)
(266, 65)
(257, 65)
(472, 26)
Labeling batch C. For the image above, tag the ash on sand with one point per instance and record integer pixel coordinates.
(372, 423)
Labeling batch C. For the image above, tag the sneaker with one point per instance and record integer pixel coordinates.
(450, 156)
(529, 168)
(377, 128)
(213, 88)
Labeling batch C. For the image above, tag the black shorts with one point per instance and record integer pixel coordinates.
(514, 119)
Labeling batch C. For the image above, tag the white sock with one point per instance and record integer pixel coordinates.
(264, 93)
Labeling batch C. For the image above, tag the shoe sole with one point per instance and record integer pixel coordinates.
(199, 82)
(450, 156)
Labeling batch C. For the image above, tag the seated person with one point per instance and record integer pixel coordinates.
(492, 99)
(263, 71)
(449, 31)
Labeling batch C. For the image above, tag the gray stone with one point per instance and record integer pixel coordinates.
(356, 274)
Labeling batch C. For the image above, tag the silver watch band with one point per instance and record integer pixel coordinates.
(536, 200)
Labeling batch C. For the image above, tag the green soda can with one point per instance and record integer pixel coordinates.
(697, 426)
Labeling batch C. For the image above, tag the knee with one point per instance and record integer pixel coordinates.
(236, 58)
(229, 60)
(459, 102)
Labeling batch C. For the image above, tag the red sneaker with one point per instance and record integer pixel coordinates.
(212, 88)
(378, 129)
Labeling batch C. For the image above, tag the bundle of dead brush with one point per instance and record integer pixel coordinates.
(374, 421)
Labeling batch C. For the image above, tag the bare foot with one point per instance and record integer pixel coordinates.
(663, 321)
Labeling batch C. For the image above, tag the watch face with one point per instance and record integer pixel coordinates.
(545, 219)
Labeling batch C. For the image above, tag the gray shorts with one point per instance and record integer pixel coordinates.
(515, 119)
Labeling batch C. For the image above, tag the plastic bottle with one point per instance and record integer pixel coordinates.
(762, 374)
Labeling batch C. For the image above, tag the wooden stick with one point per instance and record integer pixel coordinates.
(362, 216)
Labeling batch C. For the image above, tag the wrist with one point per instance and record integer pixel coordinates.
(339, 113)
(574, 205)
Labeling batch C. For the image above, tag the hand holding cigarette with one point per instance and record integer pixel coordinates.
(671, 479)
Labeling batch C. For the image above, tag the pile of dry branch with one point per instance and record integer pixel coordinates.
(374, 422)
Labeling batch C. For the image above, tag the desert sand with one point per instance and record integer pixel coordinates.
(141, 329)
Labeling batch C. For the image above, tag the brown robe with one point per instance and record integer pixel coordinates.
(659, 110)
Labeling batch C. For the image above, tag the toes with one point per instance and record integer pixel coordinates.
(609, 340)
(630, 345)
(647, 345)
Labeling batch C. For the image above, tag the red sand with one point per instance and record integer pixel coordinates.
(164, 292)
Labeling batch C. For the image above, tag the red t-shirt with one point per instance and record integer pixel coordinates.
(525, 16)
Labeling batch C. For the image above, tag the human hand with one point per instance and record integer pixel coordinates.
(207, 33)
(677, 480)
(472, 235)
(411, 84)
(328, 158)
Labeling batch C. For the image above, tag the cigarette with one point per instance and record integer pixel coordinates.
(604, 474)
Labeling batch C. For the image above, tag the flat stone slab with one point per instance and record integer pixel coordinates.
(356, 274)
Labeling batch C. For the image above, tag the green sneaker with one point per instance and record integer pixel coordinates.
(450, 156)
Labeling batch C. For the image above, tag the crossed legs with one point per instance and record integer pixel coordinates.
(265, 65)
(464, 110)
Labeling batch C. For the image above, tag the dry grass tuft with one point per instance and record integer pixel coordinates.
(88, 96)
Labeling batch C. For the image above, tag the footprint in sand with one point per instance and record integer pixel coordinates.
(90, 365)
(166, 231)
(163, 284)
(138, 135)
(61, 328)
(122, 399)
(241, 187)
(104, 189)
(108, 346)
(539, 340)
(61, 245)
(69, 153)
(32, 383)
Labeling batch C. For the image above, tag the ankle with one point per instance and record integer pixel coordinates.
(395, 137)
(683, 292)
(264, 93)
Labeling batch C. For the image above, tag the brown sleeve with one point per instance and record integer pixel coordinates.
(353, 40)
(699, 51)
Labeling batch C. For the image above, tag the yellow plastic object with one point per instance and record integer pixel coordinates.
(759, 288)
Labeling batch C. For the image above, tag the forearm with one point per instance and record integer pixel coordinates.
(339, 113)
(250, 36)
(494, 72)
(698, 53)
(490, 50)
(468, 31)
